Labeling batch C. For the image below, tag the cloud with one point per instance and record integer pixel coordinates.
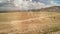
(54, 3)
(29, 4)
(24, 5)
(50, 2)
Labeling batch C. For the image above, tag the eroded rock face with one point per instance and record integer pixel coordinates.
(31, 22)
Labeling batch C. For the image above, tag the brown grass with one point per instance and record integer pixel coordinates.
(30, 22)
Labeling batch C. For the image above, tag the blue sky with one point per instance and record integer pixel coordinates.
(28, 5)
(56, 2)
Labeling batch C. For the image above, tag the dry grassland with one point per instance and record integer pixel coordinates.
(30, 23)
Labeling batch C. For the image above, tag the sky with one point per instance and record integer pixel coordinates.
(56, 2)
(36, 4)
(23, 5)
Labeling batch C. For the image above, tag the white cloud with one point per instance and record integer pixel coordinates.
(23, 5)
(54, 3)
(29, 4)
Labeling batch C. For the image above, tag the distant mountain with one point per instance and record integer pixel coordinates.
(49, 9)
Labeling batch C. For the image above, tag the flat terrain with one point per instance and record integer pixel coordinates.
(30, 23)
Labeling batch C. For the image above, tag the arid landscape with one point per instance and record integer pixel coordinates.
(30, 22)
